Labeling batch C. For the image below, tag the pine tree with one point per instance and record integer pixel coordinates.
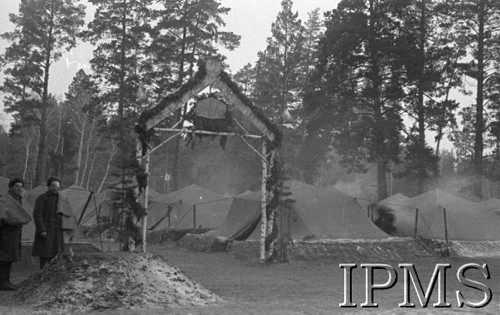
(246, 78)
(186, 31)
(43, 30)
(119, 32)
(430, 67)
(279, 67)
(477, 24)
(359, 85)
(84, 117)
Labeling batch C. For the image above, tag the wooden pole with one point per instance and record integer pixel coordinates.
(194, 217)
(263, 220)
(145, 160)
(445, 226)
(85, 208)
(168, 217)
(416, 221)
(146, 201)
(282, 250)
(211, 133)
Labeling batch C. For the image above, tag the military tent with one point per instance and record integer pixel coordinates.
(326, 214)
(154, 195)
(382, 212)
(490, 205)
(4, 185)
(462, 218)
(78, 198)
(240, 222)
(317, 213)
(211, 208)
(100, 206)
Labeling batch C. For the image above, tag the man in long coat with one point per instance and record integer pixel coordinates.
(13, 215)
(53, 219)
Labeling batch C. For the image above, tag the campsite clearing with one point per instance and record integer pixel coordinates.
(298, 287)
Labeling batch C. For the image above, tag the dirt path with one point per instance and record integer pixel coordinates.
(293, 288)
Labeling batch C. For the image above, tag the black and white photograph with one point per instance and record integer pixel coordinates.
(249, 157)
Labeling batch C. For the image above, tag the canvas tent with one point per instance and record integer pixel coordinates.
(159, 215)
(100, 206)
(210, 207)
(316, 213)
(154, 195)
(78, 197)
(240, 222)
(490, 205)
(462, 218)
(326, 214)
(393, 200)
(4, 185)
(382, 212)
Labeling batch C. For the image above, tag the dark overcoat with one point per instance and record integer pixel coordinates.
(12, 217)
(10, 242)
(47, 220)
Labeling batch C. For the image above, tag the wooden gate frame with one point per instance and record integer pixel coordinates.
(210, 73)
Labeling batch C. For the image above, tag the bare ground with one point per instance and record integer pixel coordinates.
(305, 287)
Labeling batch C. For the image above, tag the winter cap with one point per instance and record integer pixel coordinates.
(52, 179)
(14, 181)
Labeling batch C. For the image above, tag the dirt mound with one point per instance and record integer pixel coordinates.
(100, 282)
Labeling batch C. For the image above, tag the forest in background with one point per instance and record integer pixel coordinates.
(353, 92)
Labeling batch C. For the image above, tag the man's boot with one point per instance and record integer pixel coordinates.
(5, 284)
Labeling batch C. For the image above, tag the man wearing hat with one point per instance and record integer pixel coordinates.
(13, 215)
(53, 219)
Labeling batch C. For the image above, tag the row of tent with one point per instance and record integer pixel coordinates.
(314, 213)
(438, 214)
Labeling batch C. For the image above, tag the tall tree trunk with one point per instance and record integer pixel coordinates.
(478, 141)
(108, 166)
(80, 151)
(375, 97)
(89, 176)
(178, 117)
(121, 91)
(42, 158)
(421, 172)
(87, 152)
(42, 154)
(26, 160)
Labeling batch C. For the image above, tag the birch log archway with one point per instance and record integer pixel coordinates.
(210, 74)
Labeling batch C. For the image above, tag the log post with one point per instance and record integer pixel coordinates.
(263, 221)
(272, 215)
(194, 217)
(416, 221)
(445, 225)
(145, 162)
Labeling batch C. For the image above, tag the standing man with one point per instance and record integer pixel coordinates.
(53, 217)
(12, 217)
